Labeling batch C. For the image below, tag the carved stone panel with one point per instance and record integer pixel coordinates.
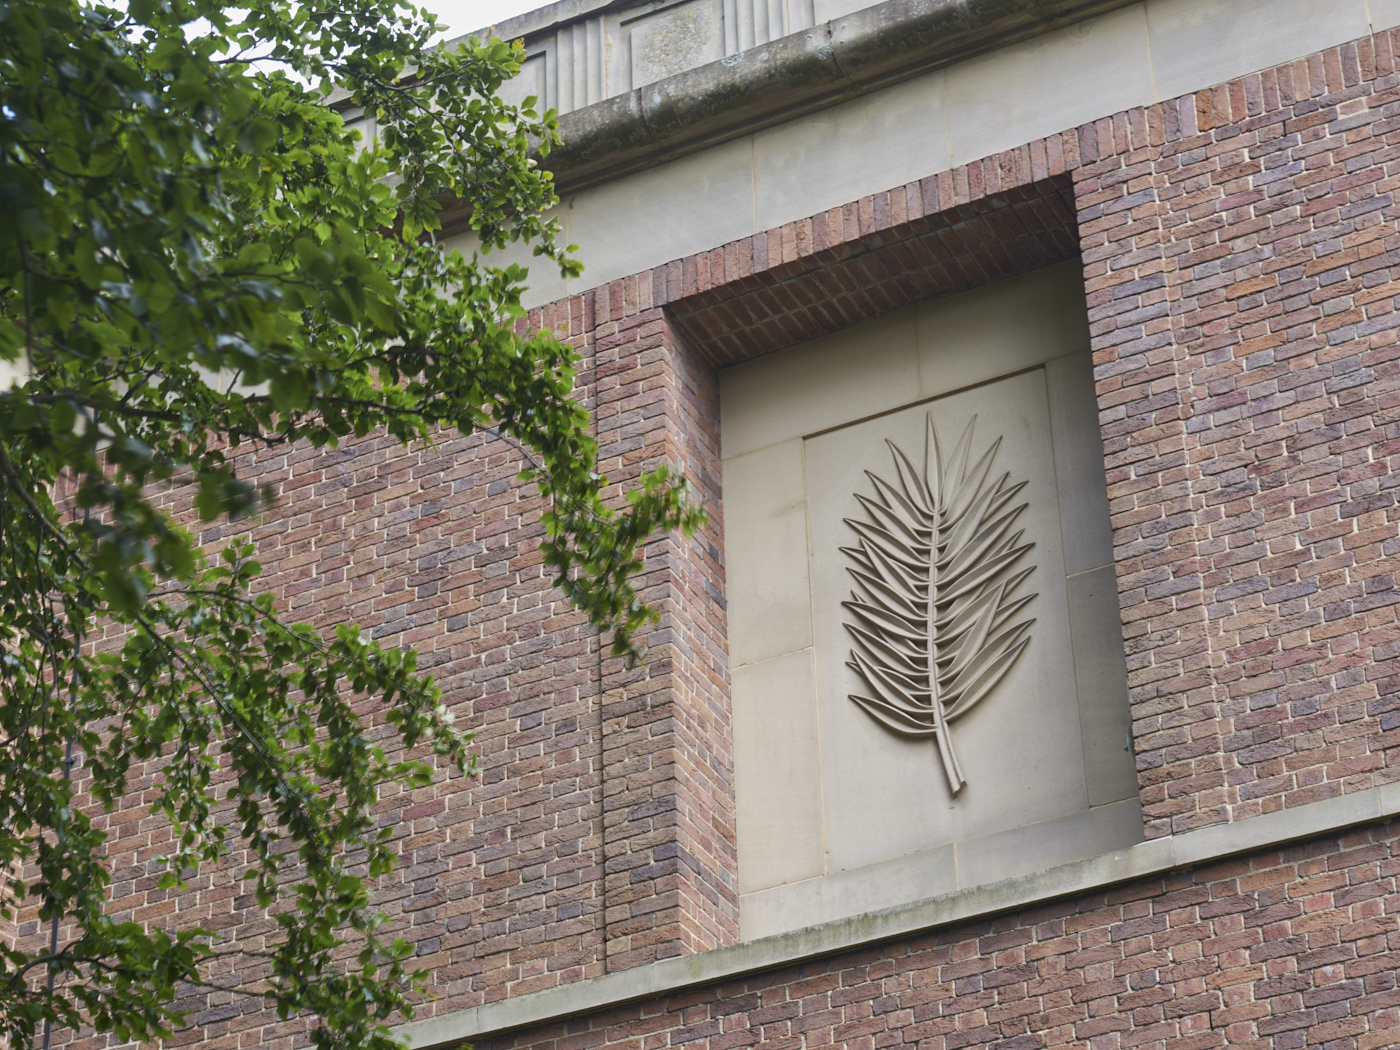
(1010, 758)
(658, 40)
(938, 567)
(580, 65)
(609, 51)
(928, 679)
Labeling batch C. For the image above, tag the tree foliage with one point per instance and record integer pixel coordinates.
(196, 258)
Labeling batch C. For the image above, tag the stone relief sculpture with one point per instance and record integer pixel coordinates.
(937, 568)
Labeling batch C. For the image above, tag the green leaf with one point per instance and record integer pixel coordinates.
(257, 136)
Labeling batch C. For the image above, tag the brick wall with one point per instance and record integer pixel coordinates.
(1285, 949)
(1240, 259)
(1238, 251)
(667, 757)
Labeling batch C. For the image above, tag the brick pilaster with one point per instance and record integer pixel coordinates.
(1243, 262)
(668, 795)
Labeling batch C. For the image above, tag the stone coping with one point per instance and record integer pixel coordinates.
(1152, 857)
(785, 78)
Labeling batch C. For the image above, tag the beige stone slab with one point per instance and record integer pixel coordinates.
(1079, 462)
(776, 772)
(887, 795)
(848, 375)
(544, 285)
(1037, 847)
(1269, 829)
(1385, 14)
(868, 144)
(650, 42)
(1060, 80)
(841, 895)
(685, 206)
(1105, 719)
(1003, 327)
(765, 552)
(1389, 796)
(1199, 43)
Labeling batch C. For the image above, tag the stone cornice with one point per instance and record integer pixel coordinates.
(774, 82)
(1154, 857)
(806, 71)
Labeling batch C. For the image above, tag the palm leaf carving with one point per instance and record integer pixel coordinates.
(937, 569)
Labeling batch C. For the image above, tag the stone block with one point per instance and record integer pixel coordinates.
(857, 372)
(696, 202)
(766, 553)
(1197, 43)
(776, 772)
(805, 433)
(1015, 94)
(876, 142)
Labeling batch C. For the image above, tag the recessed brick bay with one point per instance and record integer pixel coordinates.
(1239, 249)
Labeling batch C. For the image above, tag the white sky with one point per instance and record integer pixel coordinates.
(465, 16)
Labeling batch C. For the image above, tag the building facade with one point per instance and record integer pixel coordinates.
(1034, 681)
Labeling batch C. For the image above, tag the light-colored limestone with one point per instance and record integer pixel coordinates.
(776, 772)
(578, 65)
(1153, 857)
(1389, 795)
(655, 41)
(688, 205)
(834, 156)
(1385, 14)
(827, 10)
(1196, 43)
(531, 81)
(886, 795)
(770, 611)
(945, 346)
(748, 23)
(1079, 462)
(941, 870)
(799, 431)
(1269, 829)
(1036, 847)
(1001, 328)
(999, 100)
(827, 382)
(875, 887)
(1105, 722)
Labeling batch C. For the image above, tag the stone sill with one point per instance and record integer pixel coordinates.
(1154, 857)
